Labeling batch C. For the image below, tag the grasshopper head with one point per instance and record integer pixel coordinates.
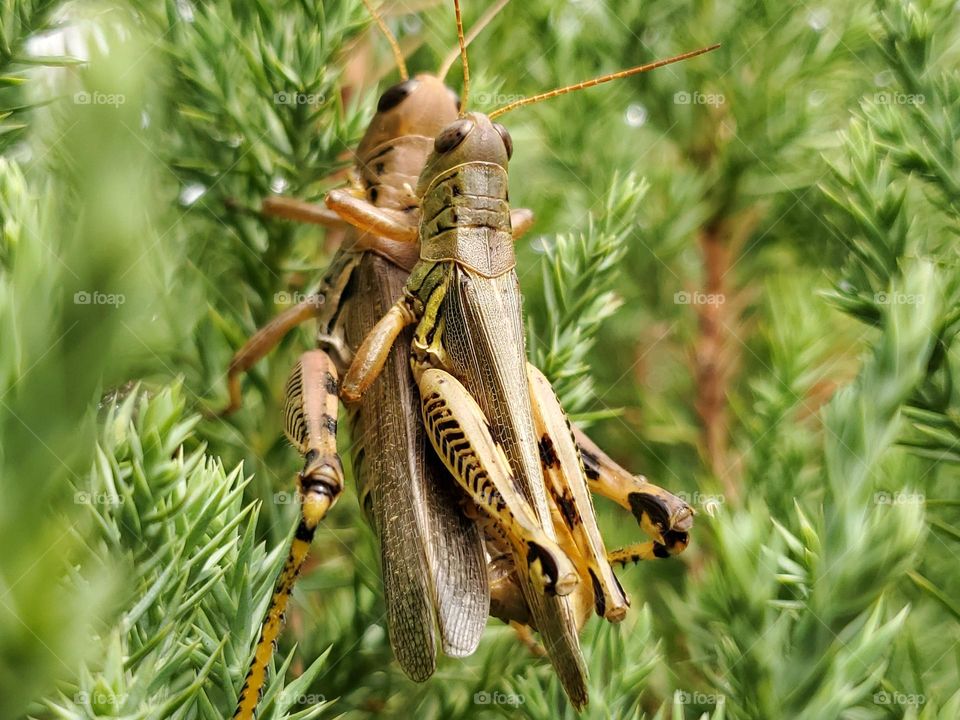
(471, 138)
(422, 105)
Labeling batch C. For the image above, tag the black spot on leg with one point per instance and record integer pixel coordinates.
(330, 423)
(676, 540)
(653, 507)
(489, 427)
(599, 602)
(330, 384)
(590, 464)
(537, 552)
(569, 510)
(305, 532)
(548, 453)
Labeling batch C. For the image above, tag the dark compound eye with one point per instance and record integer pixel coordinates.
(395, 95)
(453, 135)
(507, 140)
(455, 97)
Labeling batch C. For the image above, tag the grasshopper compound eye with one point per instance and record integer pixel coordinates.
(505, 136)
(395, 95)
(453, 135)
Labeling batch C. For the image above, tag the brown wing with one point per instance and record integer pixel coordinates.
(432, 556)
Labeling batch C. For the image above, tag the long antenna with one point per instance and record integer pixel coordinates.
(391, 38)
(597, 81)
(477, 28)
(463, 57)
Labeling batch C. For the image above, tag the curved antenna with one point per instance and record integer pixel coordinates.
(477, 28)
(463, 57)
(597, 81)
(391, 38)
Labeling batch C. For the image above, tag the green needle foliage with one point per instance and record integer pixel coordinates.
(580, 277)
(195, 575)
(744, 273)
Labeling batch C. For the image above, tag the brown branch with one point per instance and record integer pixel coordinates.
(712, 374)
(716, 352)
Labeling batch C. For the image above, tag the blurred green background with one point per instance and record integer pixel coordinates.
(743, 277)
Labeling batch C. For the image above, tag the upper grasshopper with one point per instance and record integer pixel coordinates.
(491, 417)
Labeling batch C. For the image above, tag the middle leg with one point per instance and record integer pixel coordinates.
(662, 516)
(263, 341)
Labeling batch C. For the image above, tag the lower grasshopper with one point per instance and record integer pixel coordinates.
(491, 417)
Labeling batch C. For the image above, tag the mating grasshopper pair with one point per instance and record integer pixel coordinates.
(520, 538)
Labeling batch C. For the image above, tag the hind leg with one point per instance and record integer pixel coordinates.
(461, 436)
(310, 423)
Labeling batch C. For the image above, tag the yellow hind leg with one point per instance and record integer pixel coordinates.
(310, 423)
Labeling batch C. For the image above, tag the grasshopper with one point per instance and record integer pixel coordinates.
(492, 418)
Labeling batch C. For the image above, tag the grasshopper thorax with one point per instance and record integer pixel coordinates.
(465, 205)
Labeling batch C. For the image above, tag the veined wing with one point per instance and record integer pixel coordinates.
(432, 556)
